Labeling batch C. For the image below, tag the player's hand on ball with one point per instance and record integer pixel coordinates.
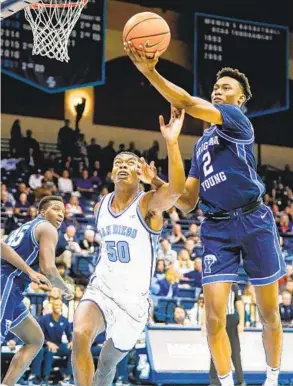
(146, 172)
(144, 62)
(68, 294)
(38, 278)
(172, 130)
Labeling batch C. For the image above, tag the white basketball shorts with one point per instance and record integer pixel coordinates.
(123, 329)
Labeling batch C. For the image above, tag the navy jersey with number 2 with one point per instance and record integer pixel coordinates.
(224, 162)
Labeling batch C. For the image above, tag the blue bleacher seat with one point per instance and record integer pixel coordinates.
(186, 293)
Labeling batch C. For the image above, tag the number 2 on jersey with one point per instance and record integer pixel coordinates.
(207, 167)
(119, 251)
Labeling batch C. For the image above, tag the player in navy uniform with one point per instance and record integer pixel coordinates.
(35, 242)
(237, 223)
(13, 258)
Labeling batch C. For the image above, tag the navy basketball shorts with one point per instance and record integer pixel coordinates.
(252, 237)
(13, 311)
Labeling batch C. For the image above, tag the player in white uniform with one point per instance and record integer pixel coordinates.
(129, 223)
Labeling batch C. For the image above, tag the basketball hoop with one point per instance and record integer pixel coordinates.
(52, 22)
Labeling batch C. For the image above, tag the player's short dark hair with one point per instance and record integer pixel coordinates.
(127, 153)
(47, 200)
(239, 76)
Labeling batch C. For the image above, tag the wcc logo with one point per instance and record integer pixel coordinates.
(209, 260)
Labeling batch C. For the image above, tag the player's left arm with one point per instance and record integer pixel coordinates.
(155, 202)
(239, 304)
(8, 254)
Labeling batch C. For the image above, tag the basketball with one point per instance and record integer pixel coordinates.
(149, 30)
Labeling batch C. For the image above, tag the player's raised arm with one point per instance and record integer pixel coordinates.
(13, 258)
(47, 237)
(166, 196)
(196, 107)
(188, 199)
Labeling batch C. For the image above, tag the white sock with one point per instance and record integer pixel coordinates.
(272, 376)
(227, 380)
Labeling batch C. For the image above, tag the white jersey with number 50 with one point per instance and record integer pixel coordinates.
(127, 255)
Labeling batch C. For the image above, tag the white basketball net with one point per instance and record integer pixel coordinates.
(52, 23)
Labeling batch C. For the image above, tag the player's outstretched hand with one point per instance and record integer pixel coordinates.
(146, 172)
(142, 61)
(68, 294)
(172, 130)
(38, 278)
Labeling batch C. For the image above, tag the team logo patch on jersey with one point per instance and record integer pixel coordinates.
(208, 261)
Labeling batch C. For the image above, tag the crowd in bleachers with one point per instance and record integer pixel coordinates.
(82, 175)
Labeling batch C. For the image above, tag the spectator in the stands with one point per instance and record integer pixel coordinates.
(279, 195)
(68, 165)
(108, 155)
(288, 176)
(22, 188)
(286, 309)
(121, 148)
(169, 285)
(93, 151)
(96, 180)
(65, 184)
(160, 270)
(67, 140)
(5, 204)
(132, 149)
(173, 214)
(196, 313)
(31, 143)
(176, 236)
(96, 166)
(190, 247)
(84, 184)
(108, 183)
(194, 278)
(11, 222)
(289, 273)
(153, 152)
(104, 191)
(183, 264)
(199, 216)
(32, 213)
(22, 205)
(267, 200)
(62, 268)
(166, 252)
(68, 220)
(284, 224)
(249, 300)
(15, 142)
(180, 316)
(67, 244)
(50, 177)
(9, 197)
(192, 232)
(88, 244)
(73, 206)
(55, 327)
(45, 190)
(289, 285)
(35, 180)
